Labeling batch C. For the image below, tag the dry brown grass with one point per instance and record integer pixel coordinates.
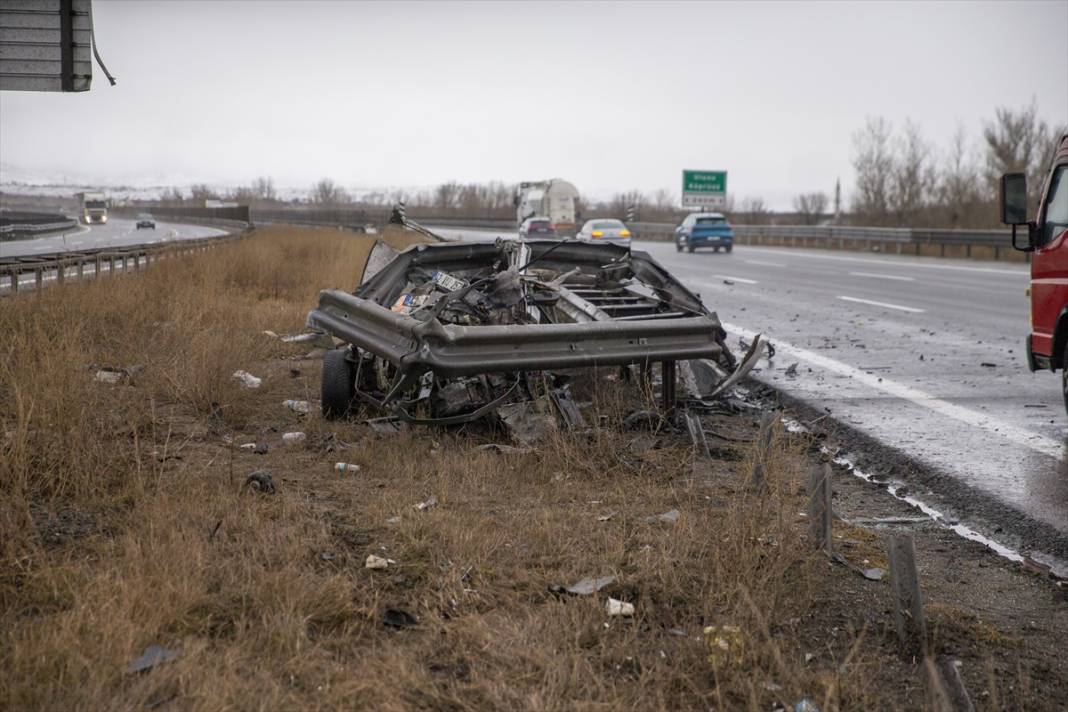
(125, 524)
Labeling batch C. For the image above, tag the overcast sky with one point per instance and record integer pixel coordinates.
(611, 96)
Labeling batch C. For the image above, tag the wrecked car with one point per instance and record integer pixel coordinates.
(447, 333)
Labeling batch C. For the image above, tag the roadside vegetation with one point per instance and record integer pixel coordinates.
(126, 522)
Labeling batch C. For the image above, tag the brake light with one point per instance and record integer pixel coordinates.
(624, 233)
(597, 233)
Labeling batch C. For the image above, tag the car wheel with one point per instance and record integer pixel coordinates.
(678, 246)
(689, 246)
(715, 249)
(338, 389)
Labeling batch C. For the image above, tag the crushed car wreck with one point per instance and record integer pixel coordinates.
(451, 332)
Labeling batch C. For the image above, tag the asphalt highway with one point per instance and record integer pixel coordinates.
(922, 355)
(116, 232)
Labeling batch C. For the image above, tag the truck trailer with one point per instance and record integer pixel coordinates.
(94, 207)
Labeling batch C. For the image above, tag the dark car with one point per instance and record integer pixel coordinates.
(704, 230)
(146, 221)
(541, 227)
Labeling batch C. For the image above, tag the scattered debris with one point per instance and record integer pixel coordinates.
(399, 618)
(261, 482)
(806, 705)
(873, 574)
(589, 585)
(725, 644)
(987, 364)
(527, 422)
(375, 562)
(248, 379)
(298, 406)
(270, 333)
(606, 517)
(249, 446)
(393, 520)
(154, 655)
(615, 607)
(387, 426)
(293, 439)
(111, 375)
(430, 502)
(344, 467)
(791, 370)
(669, 517)
(506, 449)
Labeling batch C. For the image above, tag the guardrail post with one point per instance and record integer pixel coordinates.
(38, 278)
(908, 601)
(61, 272)
(81, 269)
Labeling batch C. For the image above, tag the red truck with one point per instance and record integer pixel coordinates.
(1047, 240)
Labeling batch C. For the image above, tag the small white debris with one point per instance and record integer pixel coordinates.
(297, 406)
(375, 562)
(343, 467)
(249, 446)
(606, 517)
(589, 585)
(248, 379)
(270, 333)
(615, 607)
(393, 520)
(107, 375)
(430, 502)
(294, 438)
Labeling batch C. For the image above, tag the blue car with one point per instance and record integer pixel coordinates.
(704, 230)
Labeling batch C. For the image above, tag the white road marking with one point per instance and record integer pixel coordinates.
(873, 275)
(902, 263)
(743, 280)
(764, 264)
(914, 310)
(1016, 435)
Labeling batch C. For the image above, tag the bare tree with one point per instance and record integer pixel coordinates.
(960, 193)
(873, 162)
(811, 207)
(263, 188)
(1019, 141)
(200, 192)
(327, 192)
(912, 179)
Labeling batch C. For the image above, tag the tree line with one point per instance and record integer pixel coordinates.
(900, 179)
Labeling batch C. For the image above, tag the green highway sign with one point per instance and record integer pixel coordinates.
(704, 189)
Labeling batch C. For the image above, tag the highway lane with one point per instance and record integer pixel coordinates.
(116, 232)
(925, 355)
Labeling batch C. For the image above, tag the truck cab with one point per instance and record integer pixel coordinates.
(1046, 238)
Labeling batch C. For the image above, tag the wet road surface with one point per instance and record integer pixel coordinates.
(923, 354)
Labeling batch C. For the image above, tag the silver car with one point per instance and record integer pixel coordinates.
(605, 230)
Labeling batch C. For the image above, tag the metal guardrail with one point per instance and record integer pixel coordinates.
(899, 240)
(34, 271)
(16, 223)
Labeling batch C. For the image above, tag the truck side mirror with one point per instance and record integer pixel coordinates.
(1013, 199)
(1012, 204)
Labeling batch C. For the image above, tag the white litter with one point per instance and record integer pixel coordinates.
(430, 502)
(248, 379)
(297, 406)
(249, 446)
(615, 607)
(343, 467)
(375, 562)
(295, 438)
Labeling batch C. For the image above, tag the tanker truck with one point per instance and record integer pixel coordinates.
(555, 199)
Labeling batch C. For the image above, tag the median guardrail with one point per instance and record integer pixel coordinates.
(16, 225)
(34, 271)
(986, 244)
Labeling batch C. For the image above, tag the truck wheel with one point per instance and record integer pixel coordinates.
(338, 388)
(1064, 377)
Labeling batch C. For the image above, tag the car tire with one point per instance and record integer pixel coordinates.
(689, 246)
(338, 389)
(715, 249)
(678, 246)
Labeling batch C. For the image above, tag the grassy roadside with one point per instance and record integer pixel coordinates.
(124, 522)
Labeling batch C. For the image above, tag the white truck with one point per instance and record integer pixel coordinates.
(94, 207)
(554, 199)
